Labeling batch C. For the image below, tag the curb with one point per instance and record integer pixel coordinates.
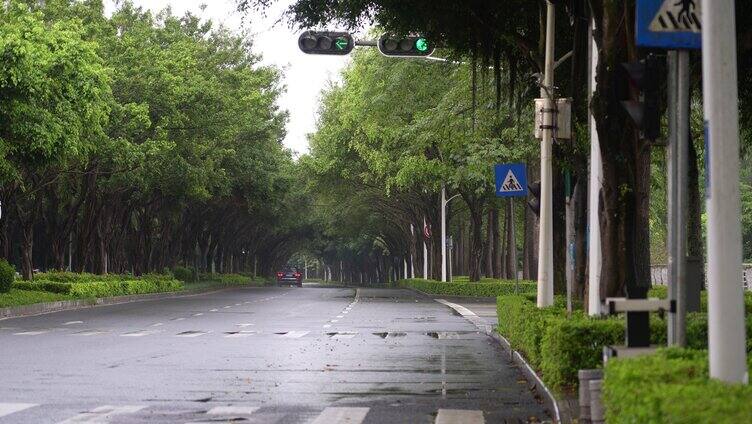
(549, 400)
(71, 305)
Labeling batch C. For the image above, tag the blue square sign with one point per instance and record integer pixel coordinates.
(669, 24)
(511, 180)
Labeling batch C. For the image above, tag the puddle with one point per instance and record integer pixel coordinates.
(390, 334)
(447, 334)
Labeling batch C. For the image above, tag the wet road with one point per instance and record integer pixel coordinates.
(260, 355)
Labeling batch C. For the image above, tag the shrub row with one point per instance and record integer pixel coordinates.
(662, 292)
(671, 386)
(500, 288)
(233, 279)
(558, 346)
(7, 275)
(107, 288)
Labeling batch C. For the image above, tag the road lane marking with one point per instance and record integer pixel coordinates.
(327, 325)
(178, 319)
(239, 334)
(159, 324)
(31, 333)
(243, 325)
(103, 414)
(192, 333)
(198, 314)
(227, 307)
(342, 335)
(340, 316)
(295, 334)
(88, 333)
(233, 410)
(140, 333)
(238, 304)
(334, 320)
(73, 322)
(334, 415)
(459, 416)
(12, 408)
(214, 310)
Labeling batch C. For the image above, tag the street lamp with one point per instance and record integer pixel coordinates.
(444, 203)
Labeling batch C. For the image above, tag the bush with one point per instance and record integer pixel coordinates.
(45, 286)
(522, 323)
(661, 292)
(488, 289)
(671, 386)
(124, 288)
(183, 274)
(7, 275)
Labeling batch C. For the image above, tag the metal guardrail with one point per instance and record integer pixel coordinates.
(659, 275)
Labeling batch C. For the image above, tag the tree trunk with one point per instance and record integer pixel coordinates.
(476, 241)
(580, 228)
(695, 245)
(27, 250)
(498, 248)
(489, 245)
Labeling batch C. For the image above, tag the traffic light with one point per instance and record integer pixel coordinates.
(326, 42)
(417, 46)
(645, 76)
(534, 201)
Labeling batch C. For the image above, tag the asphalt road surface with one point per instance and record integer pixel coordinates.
(260, 355)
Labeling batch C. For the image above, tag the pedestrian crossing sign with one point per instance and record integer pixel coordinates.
(669, 24)
(511, 180)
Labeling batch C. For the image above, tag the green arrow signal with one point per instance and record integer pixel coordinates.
(421, 44)
(341, 43)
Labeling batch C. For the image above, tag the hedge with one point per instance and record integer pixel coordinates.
(17, 297)
(500, 288)
(558, 346)
(7, 275)
(662, 292)
(671, 386)
(108, 286)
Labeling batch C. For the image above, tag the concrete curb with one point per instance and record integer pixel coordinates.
(548, 399)
(71, 305)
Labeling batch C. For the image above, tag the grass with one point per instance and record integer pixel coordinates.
(23, 297)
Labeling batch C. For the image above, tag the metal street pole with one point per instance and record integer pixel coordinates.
(596, 178)
(425, 254)
(443, 235)
(545, 239)
(682, 150)
(726, 332)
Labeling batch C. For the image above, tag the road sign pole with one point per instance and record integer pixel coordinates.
(545, 239)
(726, 332)
(682, 148)
(671, 200)
(596, 172)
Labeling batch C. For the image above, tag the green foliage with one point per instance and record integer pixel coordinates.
(7, 275)
(661, 292)
(94, 286)
(45, 286)
(184, 274)
(24, 297)
(487, 289)
(671, 386)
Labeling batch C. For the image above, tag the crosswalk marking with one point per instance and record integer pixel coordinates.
(140, 333)
(31, 333)
(103, 414)
(12, 408)
(192, 333)
(342, 416)
(459, 416)
(239, 334)
(88, 333)
(233, 410)
(295, 334)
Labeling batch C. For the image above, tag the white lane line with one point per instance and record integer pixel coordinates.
(459, 416)
(340, 316)
(141, 333)
(198, 314)
(192, 333)
(73, 322)
(327, 325)
(243, 325)
(103, 414)
(295, 334)
(233, 410)
(159, 324)
(31, 333)
(12, 408)
(334, 320)
(466, 313)
(227, 307)
(214, 310)
(238, 304)
(341, 416)
(345, 312)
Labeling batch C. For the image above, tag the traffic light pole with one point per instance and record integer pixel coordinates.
(596, 172)
(545, 236)
(726, 332)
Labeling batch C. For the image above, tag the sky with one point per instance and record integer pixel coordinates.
(304, 75)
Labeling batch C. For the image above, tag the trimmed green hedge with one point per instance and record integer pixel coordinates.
(17, 297)
(671, 386)
(662, 293)
(7, 275)
(233, 279)
(86, 285)
(558, 346)
(494, 289)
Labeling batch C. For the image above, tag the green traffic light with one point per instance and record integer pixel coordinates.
(421, 44)
(341, 43)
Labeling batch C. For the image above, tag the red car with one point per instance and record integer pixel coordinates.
(290, 277)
